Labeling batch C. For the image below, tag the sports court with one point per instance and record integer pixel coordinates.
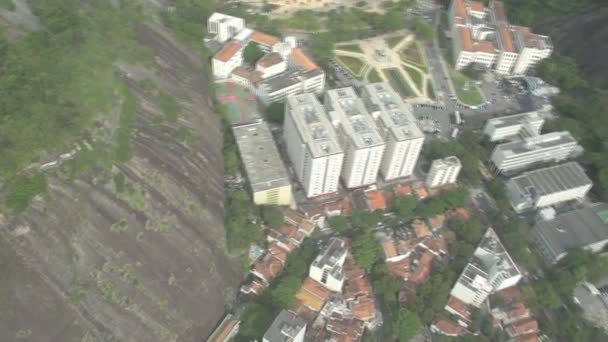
(241, 104)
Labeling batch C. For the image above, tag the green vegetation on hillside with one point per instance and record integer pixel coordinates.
(582, 110)
(8, 5)
(56, 81)
(123, 133)
(23, 189)
(532, 12)
(169, 106)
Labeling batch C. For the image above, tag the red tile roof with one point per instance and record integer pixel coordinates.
(357, 288)
(352, 270)
(253, 76)
(437, 221)
(255, 287)
(343, 329)
(499, 12)
(269, 60)
(466, 38)
(277, 252)
(376, 200)
(484, 46)
(528, 338)
(315, 288)
(364, 309)
(299, 57)
(518, 311)
(263, 38)
(449, 327)
(460, 9)
(477, 6)
(399, 269)
(423, 272)
(228, 51)
(460, 307)
(461, 213)
(522, 327)
(437, 245)
(224, 331)
(510, 295)
(268, 268)
(506, 37)
(390, 250)
(421, 228)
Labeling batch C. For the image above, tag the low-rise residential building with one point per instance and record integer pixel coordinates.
(585, 228)
(291, 82)
(358, 135)
(514, 126)
(227, 59)
(519, 155)
(489, 270)
(312, 145)
(286, 327)
(548, 186)
(327, 267)
(443, 171)
(398, 127)
(268, 178)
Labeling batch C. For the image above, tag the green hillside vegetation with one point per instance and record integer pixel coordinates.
(57, 80)
(532, 12)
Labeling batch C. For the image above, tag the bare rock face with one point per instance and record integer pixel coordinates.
(91, 262)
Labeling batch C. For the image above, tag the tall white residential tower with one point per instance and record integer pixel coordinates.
(363, 146)
(443, 171)
(398, 127)
(312, 145)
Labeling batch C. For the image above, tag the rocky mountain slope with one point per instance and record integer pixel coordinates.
(585, 38)
(89, 261)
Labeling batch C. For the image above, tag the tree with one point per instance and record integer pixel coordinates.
(455, 198)
(469, 230)
(385, 285)
(338, 223)
(256, 318)
(365, 249)
(323, 47)
(23, 189)
(252, 53)
(275, 113)
(430, 207)
(474, 71)
(283, 295)
(404, 207)
(365, 220)
(272, 216)
(406, 325)
(423, 30)
(231, 160)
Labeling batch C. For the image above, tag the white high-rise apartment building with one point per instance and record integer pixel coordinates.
(327, 266)
(224, 26)
(363, 146)
(312, 145)
(491, 269)
(519, 155)
(443, 171)
(398, 127)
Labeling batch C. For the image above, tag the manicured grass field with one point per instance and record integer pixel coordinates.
(373, 76)
(415, 76)
(349, 47)
(392, 41)
(466, 90)
(355, 65)
(397, 81)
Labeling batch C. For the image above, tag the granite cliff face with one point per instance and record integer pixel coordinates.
(585, 38)
(87, 262)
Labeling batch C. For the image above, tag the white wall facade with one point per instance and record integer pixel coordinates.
(361, 165)
(224, 26)
(401, 157)
(222, 70)
(506, 61)
(272, 70)
(528, 57)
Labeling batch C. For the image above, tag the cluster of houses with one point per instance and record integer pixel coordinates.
(268, 263)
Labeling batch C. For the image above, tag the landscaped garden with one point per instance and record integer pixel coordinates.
(398, 82)
(466, 90)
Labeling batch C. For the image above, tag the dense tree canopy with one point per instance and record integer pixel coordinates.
(272, 216)
(252, 53)
(406, 325)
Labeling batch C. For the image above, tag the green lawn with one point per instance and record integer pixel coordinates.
(430, 91)
(349, 47)
(415, 75)
(392, 41)
(398, 82)
(466, 90)
(355, 65)
(373, 76)
(412, 54)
